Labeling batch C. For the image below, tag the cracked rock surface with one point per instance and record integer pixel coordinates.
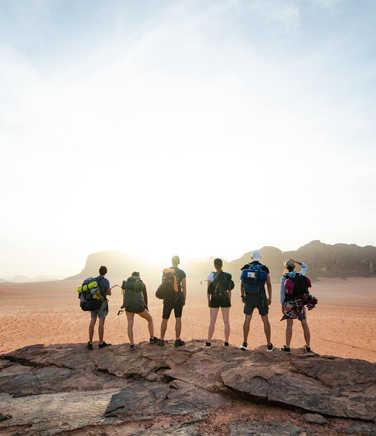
(192, 390)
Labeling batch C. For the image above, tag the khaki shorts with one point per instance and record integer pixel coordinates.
(102, 312)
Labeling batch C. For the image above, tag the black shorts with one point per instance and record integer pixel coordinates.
(176, 305)
(258, 301)
(219, 301)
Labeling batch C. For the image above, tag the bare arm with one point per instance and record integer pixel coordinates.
(109, 292)
(184, 287)
(145, 296)
(269, 287)
(242, 290)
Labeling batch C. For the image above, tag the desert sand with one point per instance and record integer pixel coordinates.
(343, 323)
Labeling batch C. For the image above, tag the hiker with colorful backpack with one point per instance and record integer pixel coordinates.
(173, 292)
(295, 297)
(93, 298)
(220, 285)
(135, 300)
(253, 278)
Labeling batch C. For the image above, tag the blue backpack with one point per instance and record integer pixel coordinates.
(254, 278)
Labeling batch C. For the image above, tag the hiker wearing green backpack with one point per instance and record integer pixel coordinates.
(220, 285)
(135, 300)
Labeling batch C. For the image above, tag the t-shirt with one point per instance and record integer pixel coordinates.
(180, 275)
(104, 285)
(255, 262)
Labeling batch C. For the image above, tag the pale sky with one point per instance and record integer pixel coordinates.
(197, 127)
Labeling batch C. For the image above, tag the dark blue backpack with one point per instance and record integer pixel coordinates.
(254, 278)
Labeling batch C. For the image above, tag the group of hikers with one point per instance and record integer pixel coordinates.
(294, 298)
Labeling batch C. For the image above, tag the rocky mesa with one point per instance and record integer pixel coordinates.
(193, 390)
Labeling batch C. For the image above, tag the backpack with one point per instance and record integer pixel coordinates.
(169, 286)
(301, 285)
(220, 286)
(133, 296)
(90, 295)
(254, 277)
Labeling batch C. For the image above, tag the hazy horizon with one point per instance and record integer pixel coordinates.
(155, 128)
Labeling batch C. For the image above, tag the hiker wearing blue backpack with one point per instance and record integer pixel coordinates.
(294, 297)
(253, 278)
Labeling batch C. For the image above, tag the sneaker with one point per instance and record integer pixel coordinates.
(270, 347)
(179, 343)
(89, 346)
(208, 344)
(307, 349)
(132, 347)
(104, 344)
(286, 349)
(153, 340)
(161, 342)
(226, 344)
(244, 346)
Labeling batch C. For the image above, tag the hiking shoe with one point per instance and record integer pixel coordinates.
(89, 346)
(307, 349)
(270, 347)
(161, 342)
(153, 340)
(226, 344)
(132, 347)
(104, 344)
(208, 344)
(286, 349)
(244, 346)
(179, 343)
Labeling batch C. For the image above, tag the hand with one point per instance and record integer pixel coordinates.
(269, 301)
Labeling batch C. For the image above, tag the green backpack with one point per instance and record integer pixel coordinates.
(133, 296)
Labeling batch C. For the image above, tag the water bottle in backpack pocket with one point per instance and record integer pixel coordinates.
(254, 278)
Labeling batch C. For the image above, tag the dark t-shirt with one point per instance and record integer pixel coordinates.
(104, 285)
(180, 275)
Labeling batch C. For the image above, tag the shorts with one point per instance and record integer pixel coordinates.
(219, 301)
(102, 312)
(177, 306)
(135, 308)
(258, 301)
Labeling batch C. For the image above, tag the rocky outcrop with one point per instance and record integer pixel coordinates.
(193, 390)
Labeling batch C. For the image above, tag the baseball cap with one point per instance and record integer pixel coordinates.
(256, 255)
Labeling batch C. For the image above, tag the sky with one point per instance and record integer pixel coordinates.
(196, 127)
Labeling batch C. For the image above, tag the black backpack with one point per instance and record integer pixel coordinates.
(169, 287)
(90, 295)
(220, 286)
(300, 285)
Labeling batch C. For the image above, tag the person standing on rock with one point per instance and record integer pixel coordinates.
(135, 300)
(293, 286)
(253, 278)
(220, 286)
(175, 301)
(102, 312)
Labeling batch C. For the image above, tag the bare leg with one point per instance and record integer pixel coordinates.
(226, 321)
(91, 329)
(289, 331)
(307, 334)
(267, 328)
(247, 322)
(146, 315)
(213, 319)
(130, 319)
(163, 327)
(101, 329)
(178, 327)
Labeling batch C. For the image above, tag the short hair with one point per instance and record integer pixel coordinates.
(218, 263)
(175, 260)
(290, 268)
(135, 274)
(102, 270)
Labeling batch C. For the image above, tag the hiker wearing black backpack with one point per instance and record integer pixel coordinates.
(173, 291)
(135, 300)
(220, 285)
(253, 278)
(294, 298)
(102, 311)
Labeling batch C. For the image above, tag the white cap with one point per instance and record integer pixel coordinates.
(256, 255)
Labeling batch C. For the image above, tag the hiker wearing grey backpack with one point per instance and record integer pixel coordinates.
(295, 297)
(253, 278)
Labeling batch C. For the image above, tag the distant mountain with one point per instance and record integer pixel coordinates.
(323, 260)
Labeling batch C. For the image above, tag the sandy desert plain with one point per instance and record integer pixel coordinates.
(343, 323)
